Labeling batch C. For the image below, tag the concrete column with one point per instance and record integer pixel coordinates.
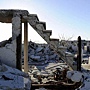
(26, 47)
(17, 38)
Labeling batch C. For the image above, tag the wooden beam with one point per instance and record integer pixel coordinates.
(26, 47)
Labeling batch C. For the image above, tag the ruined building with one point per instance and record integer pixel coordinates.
(11, 53)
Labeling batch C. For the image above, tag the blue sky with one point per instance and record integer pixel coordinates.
(64, 17)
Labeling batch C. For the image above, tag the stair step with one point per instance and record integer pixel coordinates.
(38, 25)
(54, 43)
(42, 23)
(62, 48)
(46, 37)
(48, 32)
(32, 19)
(33, 16)
(54, 39)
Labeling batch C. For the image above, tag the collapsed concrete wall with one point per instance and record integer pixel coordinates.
(8, 54)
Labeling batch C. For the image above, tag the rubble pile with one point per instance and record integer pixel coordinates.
(43, 64)
(40, 76)
(46, 69)
(13, 79)
(40, 54)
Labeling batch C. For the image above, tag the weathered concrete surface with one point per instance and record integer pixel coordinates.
(7, 14)
(17, 36)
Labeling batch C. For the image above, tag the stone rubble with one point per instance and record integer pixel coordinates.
(13, 79)
(40, 54)
(43, 62)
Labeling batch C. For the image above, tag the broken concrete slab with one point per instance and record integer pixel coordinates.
(12, 79)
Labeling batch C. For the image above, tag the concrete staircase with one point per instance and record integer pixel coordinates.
(40, 28)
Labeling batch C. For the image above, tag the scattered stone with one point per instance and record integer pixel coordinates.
(40, 54)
